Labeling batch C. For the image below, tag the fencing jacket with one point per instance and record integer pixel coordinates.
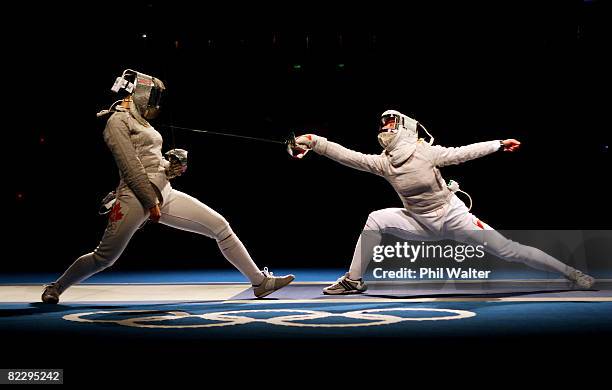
(137, 152)
(410, 167)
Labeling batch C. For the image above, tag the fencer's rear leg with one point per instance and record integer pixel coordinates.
(124, 219)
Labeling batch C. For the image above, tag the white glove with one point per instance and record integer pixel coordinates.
(301, 145)
(307, 140)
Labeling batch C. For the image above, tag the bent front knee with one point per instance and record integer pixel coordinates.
(222, 229)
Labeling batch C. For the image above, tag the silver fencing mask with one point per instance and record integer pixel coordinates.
(146, 91)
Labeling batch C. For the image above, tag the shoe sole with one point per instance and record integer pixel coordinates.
(276, 289)
(50, 300)
(575, 285)
(585, 287)
(344, 292)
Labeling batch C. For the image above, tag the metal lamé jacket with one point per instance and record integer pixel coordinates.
(410, 167)
(136, 147)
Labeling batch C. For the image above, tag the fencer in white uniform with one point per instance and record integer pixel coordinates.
(431, 209)
(144, 193)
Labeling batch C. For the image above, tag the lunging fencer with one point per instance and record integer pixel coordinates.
(431, 209)
(144, 192)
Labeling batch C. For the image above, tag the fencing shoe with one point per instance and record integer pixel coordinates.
(271, 283)
(344, 285)
(580, 279)
(51, 293)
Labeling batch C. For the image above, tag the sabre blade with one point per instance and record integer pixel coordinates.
(226, 134)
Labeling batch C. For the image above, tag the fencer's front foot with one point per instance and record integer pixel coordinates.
(345, 286)
(271, 283)
(51, 293)
(580, 279)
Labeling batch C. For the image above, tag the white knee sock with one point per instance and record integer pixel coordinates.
(83, 268)
(368, 239)
(535, 258)
(235, 252)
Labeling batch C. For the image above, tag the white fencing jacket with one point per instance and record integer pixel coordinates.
(137, 152)
(411, 168)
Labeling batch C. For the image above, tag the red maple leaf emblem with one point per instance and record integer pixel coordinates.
(479, 224)
(115, 214)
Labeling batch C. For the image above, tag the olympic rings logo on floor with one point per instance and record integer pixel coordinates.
(293, 318)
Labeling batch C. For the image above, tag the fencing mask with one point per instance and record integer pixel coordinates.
(146, 91)
(394, 125)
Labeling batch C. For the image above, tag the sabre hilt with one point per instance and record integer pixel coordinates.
(178, 162)
(290, 140)
(180, 155)
(293, 149)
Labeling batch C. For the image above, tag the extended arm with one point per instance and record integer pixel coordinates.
(442, 156)
(364, 162)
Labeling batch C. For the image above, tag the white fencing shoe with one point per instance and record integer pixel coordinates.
(271, 283)
(580, 279)
(344, 286)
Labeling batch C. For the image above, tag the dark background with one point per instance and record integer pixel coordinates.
(538, 72)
